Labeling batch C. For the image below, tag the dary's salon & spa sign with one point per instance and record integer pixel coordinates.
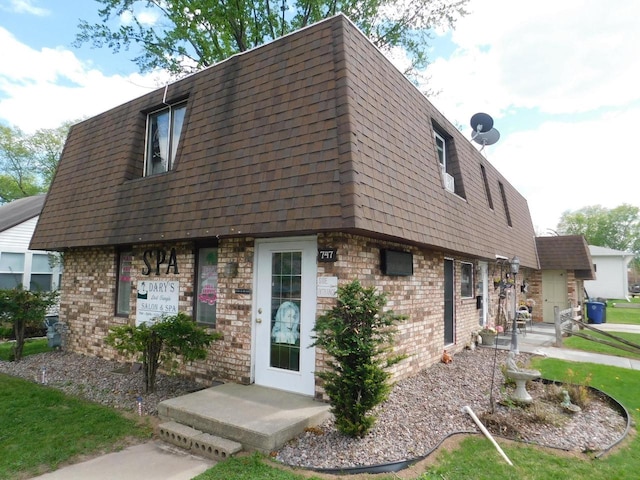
(155, 299)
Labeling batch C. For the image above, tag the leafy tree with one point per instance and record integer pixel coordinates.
(617, 228)
(28, 162)
(24, 308)
(186, 35)
(162, 342)
(359, 337)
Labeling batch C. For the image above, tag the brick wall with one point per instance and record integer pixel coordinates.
(89, 288)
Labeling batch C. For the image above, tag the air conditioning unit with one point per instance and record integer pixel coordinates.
(449, 182)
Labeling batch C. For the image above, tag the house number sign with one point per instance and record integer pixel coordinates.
(327, 255)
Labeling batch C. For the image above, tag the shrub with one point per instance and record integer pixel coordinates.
(162, 342)
(24, 309)
(359, 338)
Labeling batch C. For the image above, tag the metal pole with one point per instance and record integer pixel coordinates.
(514, 328)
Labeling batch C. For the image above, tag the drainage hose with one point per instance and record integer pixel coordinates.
(486, 433)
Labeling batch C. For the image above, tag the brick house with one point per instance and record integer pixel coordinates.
(244, 193)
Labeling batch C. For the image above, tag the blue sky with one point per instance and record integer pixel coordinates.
(560, 79)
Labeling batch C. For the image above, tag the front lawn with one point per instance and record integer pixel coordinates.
(623, 315)
(31, 347)
(476, 458)
(42, 428)
(592, 346)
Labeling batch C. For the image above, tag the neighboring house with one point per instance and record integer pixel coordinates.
(565, 267)
(19, 265)
(612, 270)
(245, 193)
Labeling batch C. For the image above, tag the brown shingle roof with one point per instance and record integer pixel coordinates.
(315, 131)
(567, 252)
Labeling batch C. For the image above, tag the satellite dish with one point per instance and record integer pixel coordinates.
(481, 122)
(487, 138)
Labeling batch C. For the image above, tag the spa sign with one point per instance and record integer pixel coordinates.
(155, 299)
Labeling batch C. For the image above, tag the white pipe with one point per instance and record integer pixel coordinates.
(486, 433)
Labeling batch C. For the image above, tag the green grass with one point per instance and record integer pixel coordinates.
(41, 428)
(592, 346)
(623, 315)
(31, 347)
(476, 458)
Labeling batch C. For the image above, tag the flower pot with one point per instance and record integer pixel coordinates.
(488, 338)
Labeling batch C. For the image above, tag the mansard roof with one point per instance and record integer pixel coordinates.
(316, 131)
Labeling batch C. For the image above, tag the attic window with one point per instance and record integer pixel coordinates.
(448, 161)
(163, 133)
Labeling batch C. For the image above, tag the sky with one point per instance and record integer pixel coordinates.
(559, 78)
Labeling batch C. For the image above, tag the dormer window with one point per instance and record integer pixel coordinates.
(163, 133)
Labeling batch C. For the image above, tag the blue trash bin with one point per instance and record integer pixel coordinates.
(595, 312)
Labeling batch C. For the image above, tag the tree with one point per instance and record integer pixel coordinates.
(28, 162)
(162, 342)
(183, 36)
(618, 228)
(358, 335)
(24, 308)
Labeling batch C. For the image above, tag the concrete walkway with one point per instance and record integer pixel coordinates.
(159, 461)
(540, 340)
(149, 461)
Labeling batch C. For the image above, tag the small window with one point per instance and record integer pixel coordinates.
(466, 280)
(163, 133)
(504, 202)
(207, 286)
(41, 273)
(11, 270)
(123, 293)
(441, 148)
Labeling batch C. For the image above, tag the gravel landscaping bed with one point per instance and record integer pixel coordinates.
(420, 412)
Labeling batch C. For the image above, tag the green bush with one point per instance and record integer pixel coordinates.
(162, 342)
(24, 309)
(359, 337)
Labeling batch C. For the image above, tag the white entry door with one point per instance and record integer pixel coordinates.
(285, 312)
(554, 293)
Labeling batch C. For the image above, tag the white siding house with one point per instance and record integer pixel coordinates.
(33, 269)
(611, 267)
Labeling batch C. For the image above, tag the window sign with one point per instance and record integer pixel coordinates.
(156, 299)
(207, 286)
(124, 283)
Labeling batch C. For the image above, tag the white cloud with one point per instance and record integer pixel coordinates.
(559, 77)
(44, 88)
(26, 6)
(560, 57)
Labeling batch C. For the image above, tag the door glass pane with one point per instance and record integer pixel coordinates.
(286, 283)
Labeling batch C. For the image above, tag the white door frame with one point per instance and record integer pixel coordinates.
(299, 381)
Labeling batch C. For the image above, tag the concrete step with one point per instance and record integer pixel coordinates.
(255, 417)
(199, 443)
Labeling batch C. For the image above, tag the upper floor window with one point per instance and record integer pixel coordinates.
(487, 190)
(448, 159)
(163, 132)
